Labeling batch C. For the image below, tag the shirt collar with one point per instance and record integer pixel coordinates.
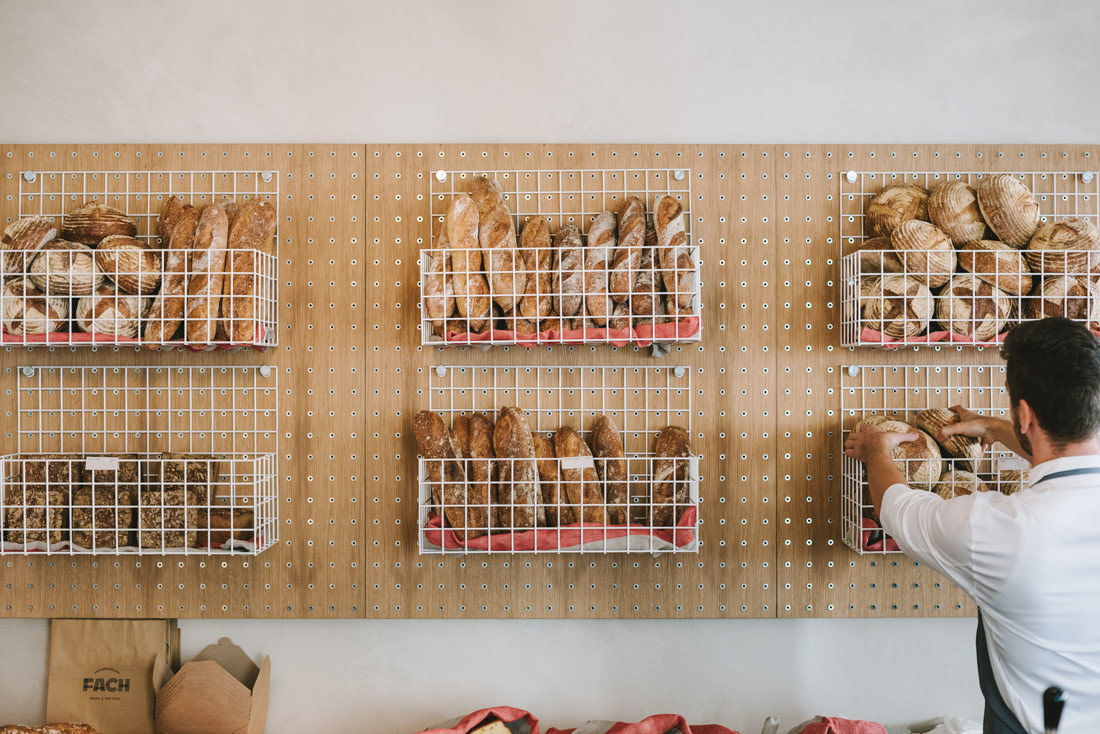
(1063, 464)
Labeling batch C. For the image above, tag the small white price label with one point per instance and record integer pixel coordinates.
(578, 462)
(101, 463)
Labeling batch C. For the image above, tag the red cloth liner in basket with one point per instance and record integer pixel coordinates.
(62, 338)
(642, 336)
(657, 724)
(877, 337)
(566, 536)
(507, 714)
(834, 725)
(870, 526)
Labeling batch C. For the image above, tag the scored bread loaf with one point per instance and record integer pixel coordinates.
(607, 448)
(166, 222)
(90, 223)
(64, 268)
(1009, 208)
(673, 254)
(601, 243)
(204, 286)
(110, 312)
(925, 252)
(953, 207)
(957, 483)
(580, 485)
(439, 297)
(997, 264)
(568, 272)
(628, 256)
(21, 241)
(558, 511)
(1062, 247)
(26, 310)
(538, 260)
(920, 461)
(166, 315)
(252, 232)
(875, 256)
(896, 305)
(470, 287)
(497, 236)
(130, 263)
(671, 472)
(620, 316)
(973, 308)
(445, 473)
(482, 473)
(934, 420)
(893, 205)
(518, 473)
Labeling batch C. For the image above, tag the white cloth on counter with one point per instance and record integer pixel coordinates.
(1032, 563)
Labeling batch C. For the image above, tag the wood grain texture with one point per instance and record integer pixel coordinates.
(315, 570)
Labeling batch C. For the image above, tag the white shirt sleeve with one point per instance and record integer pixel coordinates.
(932, 530)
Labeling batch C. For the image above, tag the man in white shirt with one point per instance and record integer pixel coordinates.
(1030, 560)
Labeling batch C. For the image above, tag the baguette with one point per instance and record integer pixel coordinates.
(204, 287)
(568, 273)
(620, 317)
(166, 315)
(628, 256)
(580, 485)
(518, 473)
(253, 229)
(607, 448)
(439, 297)
(601, 243)
(670, 475)
(166, 222)
(470, 287)
(445, 473)
(673, 253)
(558, 512)
(482, 472)
(497, 235)
(538, 257)
(460, 438)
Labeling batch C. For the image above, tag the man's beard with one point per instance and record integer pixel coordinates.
(1024, 443)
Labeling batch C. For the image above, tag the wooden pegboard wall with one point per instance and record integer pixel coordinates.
(315, 570)
(734, 574)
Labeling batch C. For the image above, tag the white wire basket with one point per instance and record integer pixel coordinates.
(669, 312)
(143, 460)
(899, 392)
(654, 509)
(78, 296)
(974, 298)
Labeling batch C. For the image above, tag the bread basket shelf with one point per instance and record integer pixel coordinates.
(898, 393)
(70, 287)
(939, 287)
(554, 289)
(144, 460)
(629, 494)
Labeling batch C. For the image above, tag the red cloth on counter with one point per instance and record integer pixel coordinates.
(566, 536)
(870, 525)
(642, 336)
(833, 725)
(657, 724)
(506, 714)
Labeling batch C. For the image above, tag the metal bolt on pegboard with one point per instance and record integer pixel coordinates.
(679, 174)
(1087, 176)
(440, 176)
(29, 176)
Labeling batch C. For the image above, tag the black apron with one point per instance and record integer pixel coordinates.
(999, 718)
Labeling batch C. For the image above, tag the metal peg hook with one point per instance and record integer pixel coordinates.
(440, 371)
(679, 174)
(1087, 176)
(853, 370)
(679, 370)
(852, 176)
(28, 371)
(266, 176)
(440, 176)
(265, 370)
(29, 176)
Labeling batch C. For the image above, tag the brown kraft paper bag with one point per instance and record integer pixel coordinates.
(101, 672)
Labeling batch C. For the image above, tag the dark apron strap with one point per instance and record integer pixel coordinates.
(1070, 473)
(999, 718)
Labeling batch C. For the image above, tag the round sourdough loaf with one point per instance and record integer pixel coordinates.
(1064, 296)
(111, 312)
(997, 264)
(973, 308)
(894, 205)
(953, 207)
(27, 311)
(1063, 248)
(925, 252)
(1009, 208)
(965, 448)
(90, 223)
(21, 241)
(1011, 481)
(897, 305)
(876, 256)
(957, 483)
(128, 262)
(64, 268)
(920, 461)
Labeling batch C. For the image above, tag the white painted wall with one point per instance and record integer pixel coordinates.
(753, 72)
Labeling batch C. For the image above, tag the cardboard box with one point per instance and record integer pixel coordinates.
(221, 691)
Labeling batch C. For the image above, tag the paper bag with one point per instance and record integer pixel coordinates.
(101, 672)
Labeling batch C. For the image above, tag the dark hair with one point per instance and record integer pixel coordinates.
(1054, 364)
